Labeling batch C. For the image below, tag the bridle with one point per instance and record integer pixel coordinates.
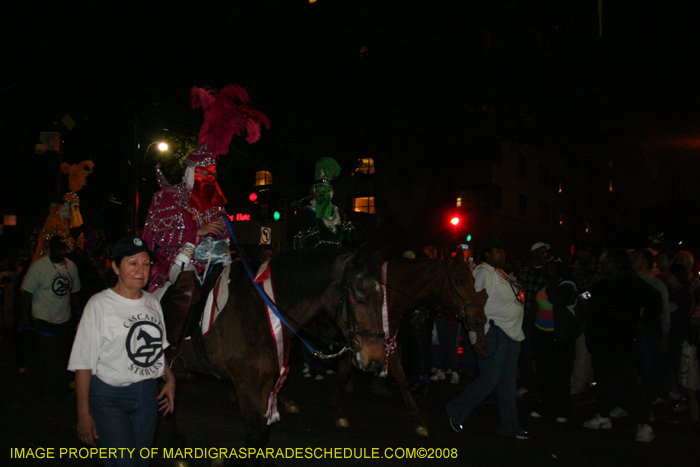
(350, 318)
(452, 284)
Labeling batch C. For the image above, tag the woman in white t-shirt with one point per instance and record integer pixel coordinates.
(499, 366)
(118, 355)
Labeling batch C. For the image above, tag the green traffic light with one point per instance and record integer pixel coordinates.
(276, 215)
(469, 237)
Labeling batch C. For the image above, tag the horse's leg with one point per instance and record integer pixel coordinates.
(397, 372)
(289, 405)
(253, 403)
(342, 378)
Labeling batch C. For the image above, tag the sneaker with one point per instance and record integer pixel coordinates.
(522, 392)
(598, 422)
(523, 435)
(438, 376)
(645, 433)
(330, 372)
(562, 420)
(455, 378)
(618, 412)
(458, 427)
(535, 414)
(307, 375)
(305, 370)
(319, 377)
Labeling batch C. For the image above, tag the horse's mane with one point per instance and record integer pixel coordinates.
(300, 275)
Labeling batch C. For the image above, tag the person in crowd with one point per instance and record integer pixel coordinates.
(188, 215)
(498, 368)
(444, 349)
(531, 277)
(664, 258)
(118, 356)
(554, 335)
(620, 306)
(585, 271)
(653, 342)
(680, 301)
(50, 295)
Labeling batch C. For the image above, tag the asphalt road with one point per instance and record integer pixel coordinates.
(379, 427)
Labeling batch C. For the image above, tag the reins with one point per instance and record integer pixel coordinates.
(284, 318)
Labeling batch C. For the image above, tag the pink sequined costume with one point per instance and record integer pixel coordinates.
(171, 223)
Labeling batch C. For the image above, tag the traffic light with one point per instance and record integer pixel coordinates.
(253, 197)
(469, 237)
(454, 221)
(276, 215)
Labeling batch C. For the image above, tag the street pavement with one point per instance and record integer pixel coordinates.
(379, 428)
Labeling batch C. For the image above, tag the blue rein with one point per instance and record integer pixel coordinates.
(260, 290)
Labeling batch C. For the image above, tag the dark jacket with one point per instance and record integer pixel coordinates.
(562, 294)
(620, 307)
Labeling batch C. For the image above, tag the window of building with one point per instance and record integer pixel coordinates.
(364, 51)
(459, 202)
(522, 205)
(364, 204)
(365, 166)
(263, 177)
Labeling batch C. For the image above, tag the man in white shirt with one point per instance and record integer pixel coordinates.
(49, 288)
(499, 367)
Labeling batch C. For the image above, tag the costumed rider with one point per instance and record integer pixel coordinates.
(184, 221)
(65, 216)
(320, 223)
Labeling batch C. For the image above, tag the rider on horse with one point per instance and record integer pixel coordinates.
(184, 216)
(320, 222)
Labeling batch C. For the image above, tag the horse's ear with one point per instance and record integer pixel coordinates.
(445, 253)
(459, 254)
(365, 260)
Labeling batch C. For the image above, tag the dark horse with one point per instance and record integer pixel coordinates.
(408, 283)
(306, 283)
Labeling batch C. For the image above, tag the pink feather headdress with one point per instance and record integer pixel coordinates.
(226, 114)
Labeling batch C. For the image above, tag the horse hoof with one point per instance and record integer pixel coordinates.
(291, 408)
(422, 430)
(342, 423)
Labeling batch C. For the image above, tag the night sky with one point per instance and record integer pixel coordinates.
(429, 81)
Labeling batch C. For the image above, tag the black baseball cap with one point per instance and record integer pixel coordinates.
(130, 246)
(491, 243)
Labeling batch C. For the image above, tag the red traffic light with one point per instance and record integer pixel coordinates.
(454, 221)
(253, 197)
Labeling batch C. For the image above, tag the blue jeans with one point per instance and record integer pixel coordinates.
(498, 369)
(445, 353)
(125, 417)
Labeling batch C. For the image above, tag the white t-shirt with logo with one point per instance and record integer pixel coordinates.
(120, 339)
(51, 285)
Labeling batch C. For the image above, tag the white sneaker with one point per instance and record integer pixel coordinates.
(319, 377)
(455, 378)
(535, 414)
(438, 376)
(645, 433)
(522, 392)
(598, 422)
(562, 420)
(305, 370)
(618, 412)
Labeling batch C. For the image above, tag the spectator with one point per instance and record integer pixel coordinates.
(619, 305)
(531, 277)
(498, 368)
(555, 332)
(50, 291)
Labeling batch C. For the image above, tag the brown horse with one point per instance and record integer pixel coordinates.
(306, 283)
(408, 283)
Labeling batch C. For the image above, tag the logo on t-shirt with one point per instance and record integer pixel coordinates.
(144, 343)
(60, 285)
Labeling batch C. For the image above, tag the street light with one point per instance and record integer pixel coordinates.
(162, 146)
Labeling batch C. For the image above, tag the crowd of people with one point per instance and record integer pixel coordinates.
(612, 322)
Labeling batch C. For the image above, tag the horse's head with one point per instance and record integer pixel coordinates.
(458, 293)
(363, 311)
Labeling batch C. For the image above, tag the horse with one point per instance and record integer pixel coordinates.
(409, 282)
(241, 347)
